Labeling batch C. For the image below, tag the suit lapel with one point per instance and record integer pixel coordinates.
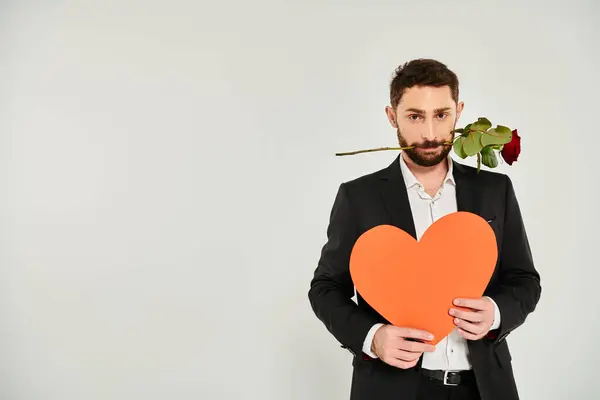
(467, 193)
(395, 198)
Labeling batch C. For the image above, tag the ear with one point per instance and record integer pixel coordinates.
(391, 114)
(459, 109)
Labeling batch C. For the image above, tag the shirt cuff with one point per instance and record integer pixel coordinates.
(369, 341)
(496, 323)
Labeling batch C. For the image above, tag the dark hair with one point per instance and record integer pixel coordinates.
(422, 72)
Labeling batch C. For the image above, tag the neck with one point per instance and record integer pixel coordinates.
(430, 177)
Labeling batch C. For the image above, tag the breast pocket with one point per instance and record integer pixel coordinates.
(493, 223)
(490, 220)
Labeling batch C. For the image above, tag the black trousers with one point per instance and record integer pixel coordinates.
(432, 389)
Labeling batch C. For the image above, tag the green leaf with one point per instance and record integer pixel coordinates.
(498, 135)
(458, 147)
(504, 129)
(459, 130)
(488, 157)
(472, 144)
(482, 124)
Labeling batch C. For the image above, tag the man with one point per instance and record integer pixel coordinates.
(420, 186)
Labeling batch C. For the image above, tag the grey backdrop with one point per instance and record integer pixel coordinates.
(167, 171)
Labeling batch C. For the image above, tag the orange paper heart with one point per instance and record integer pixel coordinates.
(413, 283)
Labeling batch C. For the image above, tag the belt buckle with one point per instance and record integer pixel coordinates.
(446, 379)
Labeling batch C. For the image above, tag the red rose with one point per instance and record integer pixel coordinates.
(512, 149)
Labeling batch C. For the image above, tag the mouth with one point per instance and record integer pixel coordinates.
(430, 147)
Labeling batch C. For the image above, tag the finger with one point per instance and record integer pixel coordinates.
(415, 347)
(413, 333)
(401, 364)
(467, 335)
(475, 329)
(475, 304)
(467, 315)
(405, 355)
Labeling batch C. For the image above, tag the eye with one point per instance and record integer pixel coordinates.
(414, 117)
(442, 115)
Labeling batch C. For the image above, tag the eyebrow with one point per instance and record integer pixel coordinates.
(437, 110)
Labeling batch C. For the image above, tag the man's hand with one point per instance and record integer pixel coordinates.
(476, 323)
(392, 347)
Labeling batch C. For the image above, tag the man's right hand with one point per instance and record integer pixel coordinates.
(392, 347)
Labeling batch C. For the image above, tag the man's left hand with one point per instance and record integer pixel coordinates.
(476, 323)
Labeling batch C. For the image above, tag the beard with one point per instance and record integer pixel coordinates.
(424, 159)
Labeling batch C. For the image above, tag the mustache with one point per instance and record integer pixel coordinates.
(431, 144)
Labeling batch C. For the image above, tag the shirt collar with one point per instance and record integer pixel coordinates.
(411, 180)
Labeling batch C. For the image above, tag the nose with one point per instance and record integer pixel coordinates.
(428, 132)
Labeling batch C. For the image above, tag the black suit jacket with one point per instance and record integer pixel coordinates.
(381, 198)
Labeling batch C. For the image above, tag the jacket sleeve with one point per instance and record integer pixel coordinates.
(519, 286)
(331, 288)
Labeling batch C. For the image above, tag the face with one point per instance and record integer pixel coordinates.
(425, 117)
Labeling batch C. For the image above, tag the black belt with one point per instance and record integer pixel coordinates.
(449, 378)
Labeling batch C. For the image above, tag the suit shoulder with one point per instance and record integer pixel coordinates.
(486, 177)
(365, 180)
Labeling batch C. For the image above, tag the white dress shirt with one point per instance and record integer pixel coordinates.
(451, 353)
